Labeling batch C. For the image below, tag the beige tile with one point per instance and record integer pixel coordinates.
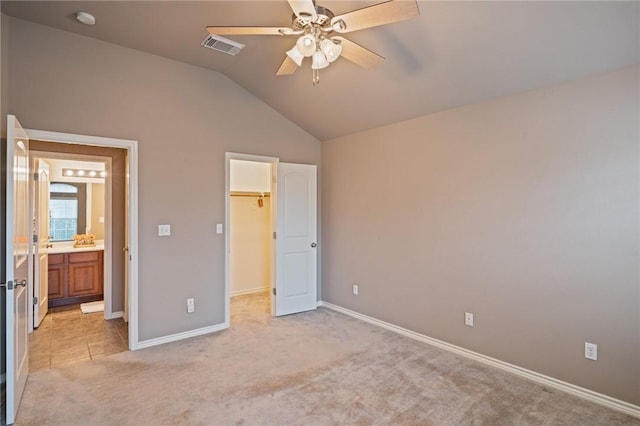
(67, 362)
(42, 364)
(67, 336)
(41, 340)
(105, 349)
(38, 352)
(67, 333)
(104, 337)
(72, 354)
(68, 345)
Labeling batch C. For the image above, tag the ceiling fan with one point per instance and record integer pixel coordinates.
(315, 27)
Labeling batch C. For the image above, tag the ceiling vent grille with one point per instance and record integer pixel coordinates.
(221, 44)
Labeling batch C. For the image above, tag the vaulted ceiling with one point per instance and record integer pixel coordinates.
(453, 54)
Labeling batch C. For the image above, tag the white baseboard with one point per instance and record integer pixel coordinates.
(249, 291)
(598, 398)
(115, 315)
(180, 336)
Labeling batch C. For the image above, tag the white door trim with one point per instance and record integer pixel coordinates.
(132, 159)
(227, 176)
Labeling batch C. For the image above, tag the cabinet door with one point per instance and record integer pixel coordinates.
(84, 279)
(57, 281)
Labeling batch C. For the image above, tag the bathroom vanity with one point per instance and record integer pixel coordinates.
(75, 275)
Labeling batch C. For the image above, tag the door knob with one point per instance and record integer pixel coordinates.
(314, 245)
(23, 283)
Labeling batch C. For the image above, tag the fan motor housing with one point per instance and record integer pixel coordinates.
(324, 17)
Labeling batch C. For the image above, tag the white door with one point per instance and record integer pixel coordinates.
(296, 239)
(17, 239)
(41, 275)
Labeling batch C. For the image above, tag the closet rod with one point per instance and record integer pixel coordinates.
(249, 194)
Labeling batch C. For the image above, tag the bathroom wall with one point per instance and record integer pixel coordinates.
(97, 210)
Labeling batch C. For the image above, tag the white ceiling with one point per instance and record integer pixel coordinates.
(453, 54)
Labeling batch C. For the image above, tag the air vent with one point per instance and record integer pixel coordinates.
(222, 44)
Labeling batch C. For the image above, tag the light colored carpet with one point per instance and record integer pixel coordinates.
(315, 368)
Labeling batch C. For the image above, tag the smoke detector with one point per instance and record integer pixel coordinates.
(86, 18)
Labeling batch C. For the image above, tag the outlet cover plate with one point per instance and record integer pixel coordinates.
(591, 351)
(164, 230)
(468, 319)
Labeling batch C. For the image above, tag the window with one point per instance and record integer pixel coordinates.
(67, 207)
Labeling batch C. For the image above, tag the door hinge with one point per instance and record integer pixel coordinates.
(274, 291)
(36, 176)
(35, 300)
(274, 235)
(35, 238)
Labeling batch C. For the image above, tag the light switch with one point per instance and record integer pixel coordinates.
(101, 219)
(164, 230)
(218, 228)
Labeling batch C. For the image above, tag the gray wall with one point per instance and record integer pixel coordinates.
(523, 211)
(184, 118)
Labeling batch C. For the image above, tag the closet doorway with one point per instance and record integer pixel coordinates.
(291, 236)
(250, 234)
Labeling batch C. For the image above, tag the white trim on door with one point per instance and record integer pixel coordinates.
(227, 176)
(132, 159)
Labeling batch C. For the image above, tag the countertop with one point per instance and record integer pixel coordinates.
(67, 247)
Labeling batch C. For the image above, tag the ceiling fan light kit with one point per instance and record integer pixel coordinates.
(315, 24)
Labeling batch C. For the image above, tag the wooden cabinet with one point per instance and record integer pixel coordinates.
(75, 278)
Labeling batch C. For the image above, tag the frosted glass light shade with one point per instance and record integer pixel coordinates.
(306, 45)
(295, 55)
(331, 50)
(319, 61)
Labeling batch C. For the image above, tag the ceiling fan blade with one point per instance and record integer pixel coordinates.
(245, 30)
(378, 14)
(288, 67)
(358, 54)
(303, 7)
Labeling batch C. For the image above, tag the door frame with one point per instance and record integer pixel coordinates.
(227, 229)
(108, 205)
(132, 210)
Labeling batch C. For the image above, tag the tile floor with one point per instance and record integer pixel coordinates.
(66, 336)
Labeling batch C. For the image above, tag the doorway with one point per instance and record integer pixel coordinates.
(120, 249)
(293, 232)
(70, 320)
(250, 234)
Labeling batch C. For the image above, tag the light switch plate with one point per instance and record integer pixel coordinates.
(218, 228)
(164, 230)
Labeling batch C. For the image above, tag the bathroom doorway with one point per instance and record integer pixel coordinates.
(124, 154)
(70, 199)
(74, 203)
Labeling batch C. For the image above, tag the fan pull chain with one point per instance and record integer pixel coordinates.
(316, 77)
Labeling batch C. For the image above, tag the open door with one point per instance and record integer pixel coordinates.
(17, 240)
(296, 239)
(41, 255)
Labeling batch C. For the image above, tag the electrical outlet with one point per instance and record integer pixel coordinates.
(591, 351)
(355, 289)
(468, 319)
(191, 305)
